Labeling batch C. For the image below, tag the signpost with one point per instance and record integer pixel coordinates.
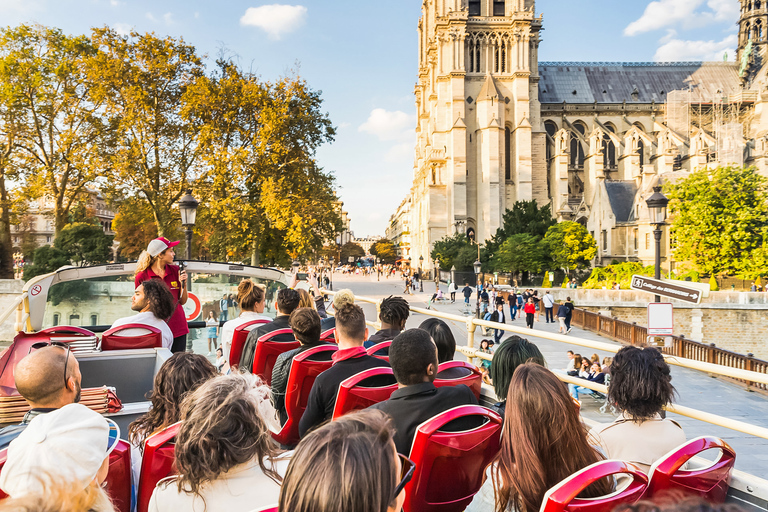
(667, 289)
(660, 319)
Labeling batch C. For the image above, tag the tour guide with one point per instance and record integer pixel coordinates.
(157, 263)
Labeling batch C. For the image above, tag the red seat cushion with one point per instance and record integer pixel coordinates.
(111, 340)
(364, 389)
(118, 482)
(156, 464)
(267, 351)
(473, 378)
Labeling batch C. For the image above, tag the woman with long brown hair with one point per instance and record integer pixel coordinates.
(157, 263)
(225, 455)
(543, 442)
(251, 298)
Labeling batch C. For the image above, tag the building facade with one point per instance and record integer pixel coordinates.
(496, 126)
(399, 229)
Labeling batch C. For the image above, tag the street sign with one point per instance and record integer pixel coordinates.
(660, 319)
(665, 288)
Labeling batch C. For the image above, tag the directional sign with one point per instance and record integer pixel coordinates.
(665, 288)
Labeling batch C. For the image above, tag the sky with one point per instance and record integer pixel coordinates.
(362, 55)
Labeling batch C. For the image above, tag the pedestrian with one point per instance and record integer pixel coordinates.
(212, 325)
(467, 291)
(452, 288)
(568, 317)
(530, 311)
(512, 300)
(224, 308)
(562, 313)
(536, 303)
(498, 316)
(549, 303)
(407, 286)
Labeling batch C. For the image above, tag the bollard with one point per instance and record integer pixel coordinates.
(471, 336)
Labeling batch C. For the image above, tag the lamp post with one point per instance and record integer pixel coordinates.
(421, 275)
(378, 268)
(333, 267)
(295, 266)
(657, 211)
(477, 266)
(188, 209)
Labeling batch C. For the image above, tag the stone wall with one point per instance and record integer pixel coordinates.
(9, 291)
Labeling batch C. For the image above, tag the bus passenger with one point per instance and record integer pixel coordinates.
(251, 298)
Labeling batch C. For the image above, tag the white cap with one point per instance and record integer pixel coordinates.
(160, 244)
(68, 444)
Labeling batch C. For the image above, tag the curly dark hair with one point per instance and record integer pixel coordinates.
(394, 311)
(640, 382)
(179, 375)
(514, 352)
(161, 301)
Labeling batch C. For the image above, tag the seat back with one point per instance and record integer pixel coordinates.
(710, 483)
(118, 482)
(384, 345)
(156, 464)
(364, 389)
(473, 377)
(267, 350)
(329, 335)
(238, 339)
(111, 340)
(562, 497)
(450, 465)
(305, 368)
(3, 458)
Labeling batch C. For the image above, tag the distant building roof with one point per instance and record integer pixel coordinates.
(621, 195)
(615, 82)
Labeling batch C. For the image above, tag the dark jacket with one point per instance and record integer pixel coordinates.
(411, 406)
(570, 307)
(280, 377)
(328, 322)
(512, 299)
(320, 307)
(322, 397)
(11, 432)
(249, 348)
(467, 291)
(379, 337)
(563, 311)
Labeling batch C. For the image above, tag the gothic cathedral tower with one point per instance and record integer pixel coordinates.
(479, 144)
(752, 27)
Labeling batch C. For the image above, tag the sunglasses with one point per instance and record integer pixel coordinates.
(43, 344)
(405, 474)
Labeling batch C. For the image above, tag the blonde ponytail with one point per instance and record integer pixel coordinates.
(145, 261)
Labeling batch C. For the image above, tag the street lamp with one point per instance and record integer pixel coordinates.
(378, 268)
(333, 267)
(657, 211)
(188, 209)
(478, 266)
(295, 266)
(421, 275)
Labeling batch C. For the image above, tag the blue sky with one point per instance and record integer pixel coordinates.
(363, 56)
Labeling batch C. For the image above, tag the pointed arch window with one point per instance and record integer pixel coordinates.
(609, 150)
(577, 149)
(507, 154)
(641, 152)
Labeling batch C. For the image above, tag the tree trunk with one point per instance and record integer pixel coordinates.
(6, 247)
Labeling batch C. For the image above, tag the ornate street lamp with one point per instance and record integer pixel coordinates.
(477, 265)
(421, 275)
(657, 211)
(295, 266)
(188, 209)
(333, 267)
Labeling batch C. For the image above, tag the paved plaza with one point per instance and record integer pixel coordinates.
(695, 389)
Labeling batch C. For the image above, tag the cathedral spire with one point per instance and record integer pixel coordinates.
(752, 34)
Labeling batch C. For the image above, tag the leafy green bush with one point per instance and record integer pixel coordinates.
(604, 277)
(713, 286)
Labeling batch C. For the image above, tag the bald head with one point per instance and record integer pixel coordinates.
(40, 378)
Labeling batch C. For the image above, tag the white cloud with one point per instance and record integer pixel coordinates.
(115, 3)
(724, 10)
(680, 50)
(663, 13)
(168, 18)
(275, 19)
(151, 17)
(343, 125)
(122, 28)
(400, 153)
(389, 125)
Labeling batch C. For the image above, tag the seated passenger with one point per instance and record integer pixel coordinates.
(640, 387)
(542, 443)
(595, 375)
(514, 352)
(348, 464)
(155, 305)
(224, 454)
(181, 374)
(287, 300)
(413, 356)
(305, 323)
(71, 444)
(36, 382)
(446, 346)
(350, 359)
(251, 298)
(342, 297)
(393, 314)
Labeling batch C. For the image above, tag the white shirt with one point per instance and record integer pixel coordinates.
(228, 329)
(146, 318)
(548, 300)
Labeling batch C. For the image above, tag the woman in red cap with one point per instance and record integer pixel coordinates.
(157, 263)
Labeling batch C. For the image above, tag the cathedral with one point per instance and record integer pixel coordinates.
(591, 139)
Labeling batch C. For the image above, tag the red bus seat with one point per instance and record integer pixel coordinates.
(450, 465)
(118, 482)
(238, 339)
(305, 368)
(267, 351)
(110, 340)
(329, 335)
(364, 389)
(380, 346)
(562, 497)
(156, 464)
(473, 377)
(3, 458)
(710, 483)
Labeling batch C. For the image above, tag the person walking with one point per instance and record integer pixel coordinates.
(549, 303)
(498, 316)
(467, 291)
(452, 288)
(568, 304)
(224, 308)
(212, 324)
(530, 311)
(512, 299)
(562, 313)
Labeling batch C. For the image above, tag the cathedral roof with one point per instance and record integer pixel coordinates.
(633, 82)
(621, 195)
(489, 89)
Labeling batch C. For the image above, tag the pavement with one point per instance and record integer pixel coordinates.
(695, 389)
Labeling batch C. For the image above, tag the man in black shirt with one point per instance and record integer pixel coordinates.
(350, 360)
(413, 356)
(393, 313)
(287, 300)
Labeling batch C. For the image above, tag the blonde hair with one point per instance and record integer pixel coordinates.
(145, 261)
(60, 496)
(305, 299)
(342, 297)
(249, 294)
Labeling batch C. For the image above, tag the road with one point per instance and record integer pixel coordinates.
(695, 389)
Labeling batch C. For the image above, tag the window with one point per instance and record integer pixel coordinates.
(474, 7)
(641, 152)
(56, 319)
(647, 241)
(577, 150)
(94, 319)
(74, 319)
(635, 234)
(604, 236)
(48, 239)
(498, 7)
(507, 155)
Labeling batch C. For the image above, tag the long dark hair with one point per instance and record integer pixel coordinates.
(442, 336)
(543, 441)
(179, 375)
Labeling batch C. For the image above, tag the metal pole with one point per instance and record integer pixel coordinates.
(477, 307)
(657, 267)
(188, 251)
(421, 280)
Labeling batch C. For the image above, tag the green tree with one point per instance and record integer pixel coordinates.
(134, 227)
(458, 250)
(523, 217)
(570, 246)
(521, 252)
(385, 250)
(351, 249)
(720, 220)
(84, 244)
(46, 259)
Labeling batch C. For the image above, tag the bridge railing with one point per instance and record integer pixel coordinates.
(633, 334)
